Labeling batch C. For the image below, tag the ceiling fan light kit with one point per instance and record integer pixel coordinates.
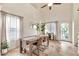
(49, 4)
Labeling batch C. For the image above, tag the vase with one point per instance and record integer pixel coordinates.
(4, 51)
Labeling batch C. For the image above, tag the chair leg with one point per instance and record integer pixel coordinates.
(24, 50)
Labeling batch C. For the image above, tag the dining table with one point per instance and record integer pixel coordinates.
(33, 39)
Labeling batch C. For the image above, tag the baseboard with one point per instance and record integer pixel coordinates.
(65, 41)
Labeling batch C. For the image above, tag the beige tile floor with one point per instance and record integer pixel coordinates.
(56, 48)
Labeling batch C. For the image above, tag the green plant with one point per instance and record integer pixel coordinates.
(4, 45)
(38, 28)
(65, 30)
(43, 28)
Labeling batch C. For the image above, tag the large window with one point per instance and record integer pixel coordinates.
(12, 29)
(39, 28)
(50, 28)
(34, 26)
(45, 28)
(64, 31)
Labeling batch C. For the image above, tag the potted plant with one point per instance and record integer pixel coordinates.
(4, 47)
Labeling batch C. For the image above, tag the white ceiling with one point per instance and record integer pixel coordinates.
(64, 7)
(57, 10)
(46, 9)
(39, 5)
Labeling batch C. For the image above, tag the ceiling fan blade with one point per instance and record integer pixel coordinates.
(44, 6)
(56, 3)
(50, 7)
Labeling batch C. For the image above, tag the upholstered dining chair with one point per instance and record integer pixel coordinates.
(32, 49)
(52, 36)
(30, 45)
(43, 43)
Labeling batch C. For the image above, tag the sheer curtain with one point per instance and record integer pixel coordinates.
(50, 28)
(12, 30)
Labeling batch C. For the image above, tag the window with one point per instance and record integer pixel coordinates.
(50, 28)
(39, 28)
(45, 28)
(64, 31)
(34, 29)
(12, 29)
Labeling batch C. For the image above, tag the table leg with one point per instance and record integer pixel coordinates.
(30, 49)
(47, 42)
(21, 46)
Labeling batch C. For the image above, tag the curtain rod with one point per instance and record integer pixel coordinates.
(10, 13)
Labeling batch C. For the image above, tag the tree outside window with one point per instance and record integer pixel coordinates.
(64, 31)
(40, 28)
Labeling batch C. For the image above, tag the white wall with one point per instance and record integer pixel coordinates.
(76, 22)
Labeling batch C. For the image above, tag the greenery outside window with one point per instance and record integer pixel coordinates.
(64, 31)
(40, 28)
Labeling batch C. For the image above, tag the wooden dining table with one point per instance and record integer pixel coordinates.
(33, 39)
(30, 40)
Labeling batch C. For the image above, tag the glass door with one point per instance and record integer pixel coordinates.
(65, 31)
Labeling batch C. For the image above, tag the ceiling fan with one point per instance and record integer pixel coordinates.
(50, 5)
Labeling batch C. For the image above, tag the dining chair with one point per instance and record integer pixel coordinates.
(32, 48)
(52, 36)
(43, 43)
